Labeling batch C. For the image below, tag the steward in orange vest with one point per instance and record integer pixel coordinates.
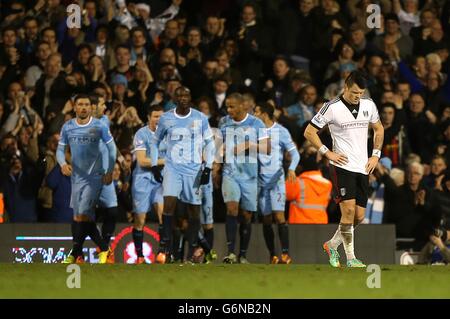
(309, 197)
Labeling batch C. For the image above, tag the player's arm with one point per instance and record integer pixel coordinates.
(378, 138)
(111, 150)
(154, 150)
(264, 146)
(311, 134)
(66, 169)
(295, 159)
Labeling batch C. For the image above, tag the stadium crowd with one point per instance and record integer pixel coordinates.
(292, 54)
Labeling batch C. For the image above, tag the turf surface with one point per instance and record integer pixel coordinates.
(222, 281)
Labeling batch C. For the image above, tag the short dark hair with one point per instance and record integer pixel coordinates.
(122, 46)
(356, 77)
(82, 96)
(155, 108)
(266, 108)
(387, 104)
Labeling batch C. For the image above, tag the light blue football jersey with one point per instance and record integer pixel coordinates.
(84, 142)
(245, 165)
(271, 165)
(142, 141)
(185, 137)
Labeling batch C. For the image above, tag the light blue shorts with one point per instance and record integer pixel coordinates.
(182, 187)
(145, 193)
(85, 195)
(272, 198)
(108, 197)
(243, 192)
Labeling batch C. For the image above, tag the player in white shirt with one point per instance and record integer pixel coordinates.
(349, 118)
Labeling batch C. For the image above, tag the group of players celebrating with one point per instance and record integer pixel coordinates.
(178, 156)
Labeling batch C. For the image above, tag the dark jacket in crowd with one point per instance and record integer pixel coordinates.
(61, 212)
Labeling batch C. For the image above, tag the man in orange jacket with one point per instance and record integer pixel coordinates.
(309, 194)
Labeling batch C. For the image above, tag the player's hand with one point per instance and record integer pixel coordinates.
(371, 164)
(157, 174)
(66, 170)
(107, 178)
(337, 158)
(204, 179)
(291, 176)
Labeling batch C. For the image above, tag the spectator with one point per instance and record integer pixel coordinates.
(45, 195)
(60, 185)
(303, 111)
(253, 42)
(409, 207)
(278, 87)
(309, 195)
(394, 36)
(35, 71)
(409, 15)
(20, 191)
(53, 88)
(215, 31)
(396, 143)
(420, 127)
(438, 168)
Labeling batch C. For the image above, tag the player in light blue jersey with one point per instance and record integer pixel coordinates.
(244, 137)
(188, 137)
(83, 135)
(271, 183)
(108, 196)
(145, 189)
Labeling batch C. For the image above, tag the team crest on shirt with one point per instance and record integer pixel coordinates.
(92, 131)
(366, 113)
(343, 191)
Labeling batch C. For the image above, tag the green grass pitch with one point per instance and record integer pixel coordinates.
(222, 281)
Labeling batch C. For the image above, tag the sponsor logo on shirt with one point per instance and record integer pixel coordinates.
(354, 124)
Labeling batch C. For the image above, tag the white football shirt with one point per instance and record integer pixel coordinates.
(349, 127)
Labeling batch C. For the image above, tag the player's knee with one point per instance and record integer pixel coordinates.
(267, 220)
(208, 226)
(279, 218)
(139, 221)
(170, 204)
(232, 209)
(358, 220)
(246, 217)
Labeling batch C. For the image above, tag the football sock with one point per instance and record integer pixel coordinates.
(245, 232)
(346, 231)
(109, 224)
(94, 233)
(231, 230)
(209, 236)
(283, 233)
(269, 238)
(79, 235)
(167, 231)
(203, 243)
(161, 238)
(138, 238)
(177, 238)
(336, 241)
(192, 234)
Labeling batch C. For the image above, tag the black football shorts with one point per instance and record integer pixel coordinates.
(350, 185)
